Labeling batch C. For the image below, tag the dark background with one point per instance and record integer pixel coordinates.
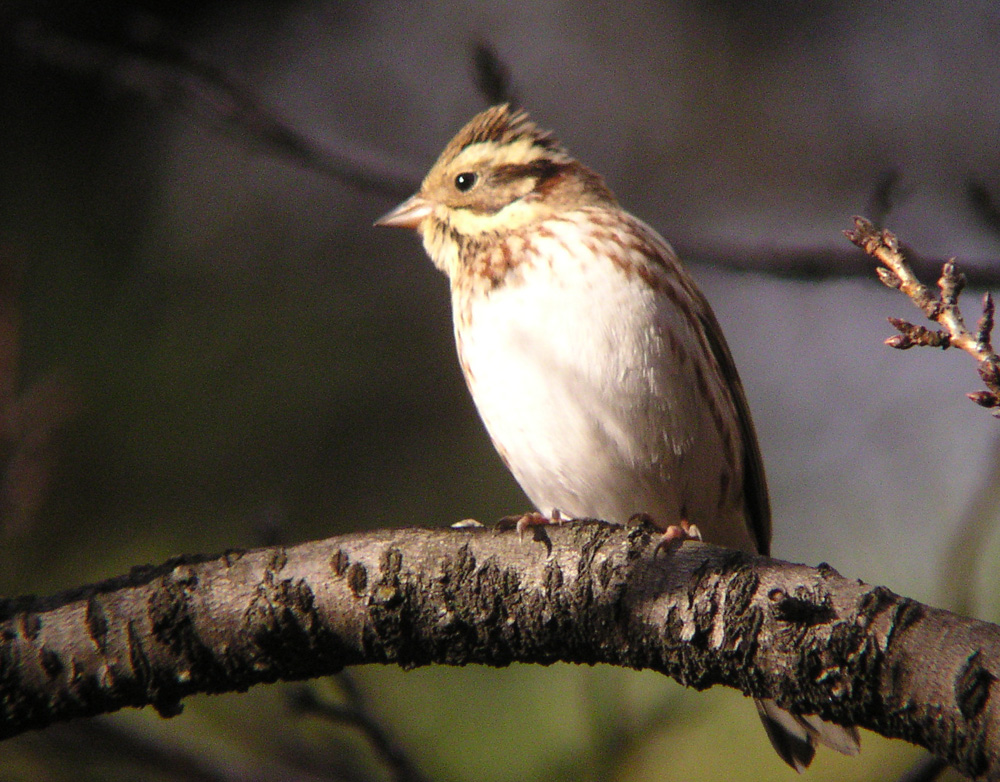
(204, 344)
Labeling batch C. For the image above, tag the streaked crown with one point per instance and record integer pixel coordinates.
(501, 127)
(500, 173)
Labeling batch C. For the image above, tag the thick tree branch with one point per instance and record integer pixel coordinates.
(585, 592)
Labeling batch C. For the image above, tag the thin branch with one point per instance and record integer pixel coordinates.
(586, 592)
(165, 72)
(883, 246)
(358, 713)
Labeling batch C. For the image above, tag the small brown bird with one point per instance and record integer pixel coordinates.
(595, 362)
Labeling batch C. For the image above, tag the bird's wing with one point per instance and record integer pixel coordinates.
(758, 506)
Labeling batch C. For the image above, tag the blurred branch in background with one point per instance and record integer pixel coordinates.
(167, 72)
(927, 769)
(30, 418)
(616, 733)
(984, 202)
(492, 76)
(356, 712)
(135, 752)
(978, 524)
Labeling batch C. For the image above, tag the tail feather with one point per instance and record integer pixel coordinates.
(846, 741)
(794, 736)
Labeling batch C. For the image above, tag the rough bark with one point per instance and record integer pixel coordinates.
(585, 592)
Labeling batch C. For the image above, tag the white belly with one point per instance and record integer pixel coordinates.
(572, 370)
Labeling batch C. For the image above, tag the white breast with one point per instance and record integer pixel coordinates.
(583, 375)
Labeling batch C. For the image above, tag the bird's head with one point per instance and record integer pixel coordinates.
(498, 174)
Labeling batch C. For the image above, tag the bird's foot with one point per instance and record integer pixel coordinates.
(676, 534)
(525, 521)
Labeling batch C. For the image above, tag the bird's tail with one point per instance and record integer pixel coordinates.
(794, 736)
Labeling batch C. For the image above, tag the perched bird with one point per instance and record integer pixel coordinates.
(594, 360)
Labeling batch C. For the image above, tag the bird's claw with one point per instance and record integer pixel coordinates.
(525, 521)
(676, 534)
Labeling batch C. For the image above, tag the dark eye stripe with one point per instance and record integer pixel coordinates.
(540, 169)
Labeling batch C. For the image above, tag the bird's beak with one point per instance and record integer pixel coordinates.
(408, 214)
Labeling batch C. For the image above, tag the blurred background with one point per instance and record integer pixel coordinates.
(204, 343)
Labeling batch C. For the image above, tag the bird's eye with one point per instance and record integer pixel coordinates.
(465, 181)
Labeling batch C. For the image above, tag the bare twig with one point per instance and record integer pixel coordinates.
(883, 246)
